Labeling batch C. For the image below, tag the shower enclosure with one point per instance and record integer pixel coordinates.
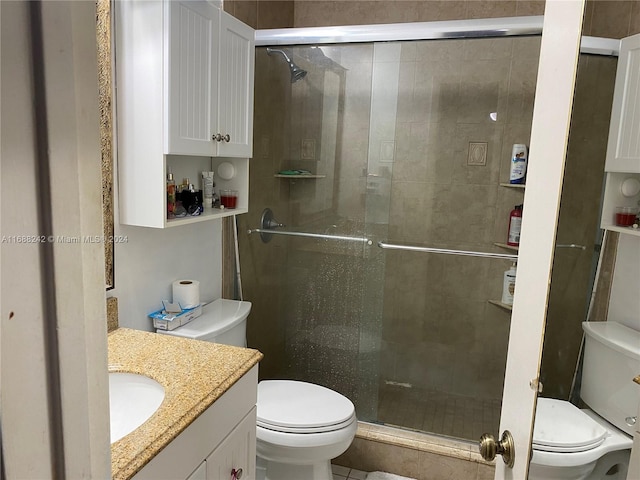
(389, 163)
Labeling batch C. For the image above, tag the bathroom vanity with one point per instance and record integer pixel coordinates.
(205, 427)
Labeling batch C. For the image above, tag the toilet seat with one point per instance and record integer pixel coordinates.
(289, 406)
(563, 428)
(614, 440)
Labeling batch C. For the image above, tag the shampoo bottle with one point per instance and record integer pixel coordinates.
(515, 225)
(518, 170)
(509, 285)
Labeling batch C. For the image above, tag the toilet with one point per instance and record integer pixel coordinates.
(300, 426)
(594, 443)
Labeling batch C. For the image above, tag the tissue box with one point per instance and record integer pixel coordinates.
(170, 321)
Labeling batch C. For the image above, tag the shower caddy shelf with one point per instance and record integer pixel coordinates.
(311, 177)
(499, 304)
(513, 185)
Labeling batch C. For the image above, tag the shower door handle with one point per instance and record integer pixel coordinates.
(489, 448)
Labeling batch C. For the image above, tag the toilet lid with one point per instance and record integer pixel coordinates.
(300, 407)
(562, 427)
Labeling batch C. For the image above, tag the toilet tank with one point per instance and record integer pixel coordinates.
(222, 321)
(611, 361)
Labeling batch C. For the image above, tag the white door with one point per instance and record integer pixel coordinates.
(551, 117)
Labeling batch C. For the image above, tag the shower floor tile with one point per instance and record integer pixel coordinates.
(436, 412)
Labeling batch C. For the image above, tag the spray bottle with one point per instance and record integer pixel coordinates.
(515, 225)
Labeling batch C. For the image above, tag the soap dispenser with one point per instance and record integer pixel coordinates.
(509, 285)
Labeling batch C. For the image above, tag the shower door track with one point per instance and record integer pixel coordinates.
(436, 30)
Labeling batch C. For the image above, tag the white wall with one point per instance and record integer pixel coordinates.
(152, 259)
(624, 304)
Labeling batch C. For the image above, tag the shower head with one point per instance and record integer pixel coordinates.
(297, 73)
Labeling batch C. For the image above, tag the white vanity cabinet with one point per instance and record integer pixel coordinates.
(184, 89)
(623, 149)
(221, 439)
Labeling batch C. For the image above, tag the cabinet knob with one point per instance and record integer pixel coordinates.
(236, 474)
(218, 137)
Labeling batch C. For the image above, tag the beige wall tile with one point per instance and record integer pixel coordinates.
(486, 472)
(634, 24)
(436, 10)
(247, 12)
(611, 18)
(529, 7)
(275, 14)
(491, 8)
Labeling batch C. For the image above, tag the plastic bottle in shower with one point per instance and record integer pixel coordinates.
(509, 285)
(518, 170)
(515, 225)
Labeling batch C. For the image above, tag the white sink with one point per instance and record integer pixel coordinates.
(133, 399)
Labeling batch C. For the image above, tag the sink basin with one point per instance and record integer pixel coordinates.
(133, 399)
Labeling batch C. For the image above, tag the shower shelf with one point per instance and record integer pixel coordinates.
(504, 245)
(513, 185)
(504, 306)
(299, 176)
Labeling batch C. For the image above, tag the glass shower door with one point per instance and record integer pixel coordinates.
(381, 136)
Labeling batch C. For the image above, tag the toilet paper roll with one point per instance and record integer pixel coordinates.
(186, 293)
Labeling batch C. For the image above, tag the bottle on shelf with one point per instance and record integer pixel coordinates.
(171, 196)
(515, 224)
(518, 170)
(509, 285)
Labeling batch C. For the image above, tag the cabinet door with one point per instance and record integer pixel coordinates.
(237, 451)
(192, 84)
(623, 149)
(235, 97)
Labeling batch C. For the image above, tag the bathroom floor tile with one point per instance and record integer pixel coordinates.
(357, 475)
(339, 471)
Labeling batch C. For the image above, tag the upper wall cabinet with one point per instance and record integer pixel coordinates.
(184, 92)
(185, 77)
(210, 59)
(622, 186)
(623, 149)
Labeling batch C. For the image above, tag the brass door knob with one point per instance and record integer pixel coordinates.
(489, 448)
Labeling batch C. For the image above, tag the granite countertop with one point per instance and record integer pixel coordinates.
(194, 374)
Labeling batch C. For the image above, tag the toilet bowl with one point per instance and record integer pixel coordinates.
(300, 426)
(574, 444)
(594, 443)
